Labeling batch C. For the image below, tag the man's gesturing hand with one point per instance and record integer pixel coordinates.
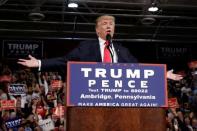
(31, 62)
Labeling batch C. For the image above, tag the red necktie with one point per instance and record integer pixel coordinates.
(107, 56)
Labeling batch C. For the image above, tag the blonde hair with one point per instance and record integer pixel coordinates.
(104, 17)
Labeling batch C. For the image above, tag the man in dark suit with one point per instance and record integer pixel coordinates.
(88, 50)
(91, 51)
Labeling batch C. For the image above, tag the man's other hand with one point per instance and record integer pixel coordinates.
(172, 76)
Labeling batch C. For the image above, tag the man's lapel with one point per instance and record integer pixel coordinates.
(97, 52)
(116, 47)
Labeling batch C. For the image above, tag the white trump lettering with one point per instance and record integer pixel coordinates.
(132, 74)
(130, 84)
(148, 73)
(144, 84)
(100, 72)
(35, 46)
(118, 83)
(105, 83)
(86, 71)
(91, 83)
(119, 74)
(22, 46)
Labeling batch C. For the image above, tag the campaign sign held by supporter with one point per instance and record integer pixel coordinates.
(46, 124)
(117, 84)
(173, 102)
(13, 122)
(17, 89)
(7, 104)
(55, 84)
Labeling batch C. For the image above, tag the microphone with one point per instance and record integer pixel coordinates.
(108, 39)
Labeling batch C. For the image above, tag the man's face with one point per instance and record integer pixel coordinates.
(105, 26)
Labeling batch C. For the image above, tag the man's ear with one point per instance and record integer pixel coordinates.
(97, 31)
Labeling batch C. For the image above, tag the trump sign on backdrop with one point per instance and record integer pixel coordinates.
(117, 84)
(22, 48)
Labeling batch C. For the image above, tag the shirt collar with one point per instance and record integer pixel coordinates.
(101, 41)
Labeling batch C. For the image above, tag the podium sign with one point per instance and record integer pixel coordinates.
(117, 84)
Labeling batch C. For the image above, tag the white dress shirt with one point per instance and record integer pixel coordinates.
(102, 46)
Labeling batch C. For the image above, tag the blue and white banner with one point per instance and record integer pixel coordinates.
(17, 89)
(13, 123)
(117, 84)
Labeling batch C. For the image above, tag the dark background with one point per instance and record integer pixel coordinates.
(170, 36)
(175, 55)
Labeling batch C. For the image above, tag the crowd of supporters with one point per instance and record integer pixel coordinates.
(35, 101)
(31, 101)
(182, 116)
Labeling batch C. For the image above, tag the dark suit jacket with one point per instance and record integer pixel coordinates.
(87, 51)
